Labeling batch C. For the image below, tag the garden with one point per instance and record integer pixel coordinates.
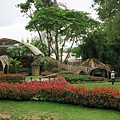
(56, 99)
(79, 50)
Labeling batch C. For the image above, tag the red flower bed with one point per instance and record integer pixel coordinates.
(26, 91)
(59, 90)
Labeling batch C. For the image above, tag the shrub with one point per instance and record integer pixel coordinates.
(59, 90)
(8, 117)
(74, 77)
(98, 79)
(55, 70)
(11, 78)
(28, 90)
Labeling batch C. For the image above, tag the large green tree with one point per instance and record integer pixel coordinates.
(109, 13)
(60, 26)
(95, 45)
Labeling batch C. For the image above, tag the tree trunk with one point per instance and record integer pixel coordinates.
(56, 47)
(69, 50)
(44, 52)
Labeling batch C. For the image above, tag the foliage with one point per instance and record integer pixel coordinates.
(14, 65)
(74, 77)
(48, 63)
(26, 91)
(36, 42)
(11, 78)
(57, 26)
(59, 91)
(17, 50)
(109, 12)
(56, 70)
(76, 51)
(96, 45)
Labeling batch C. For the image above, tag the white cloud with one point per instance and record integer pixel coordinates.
(9, 14)
(12, 24)
(16, 31)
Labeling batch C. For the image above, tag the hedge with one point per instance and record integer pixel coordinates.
(59, 90)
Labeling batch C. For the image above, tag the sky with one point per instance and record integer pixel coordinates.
(12, 22)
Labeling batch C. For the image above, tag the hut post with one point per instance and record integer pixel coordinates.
(103, 73)
(35, 70)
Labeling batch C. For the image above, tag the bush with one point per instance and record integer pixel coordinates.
(8, 117)
(98, 79)
(11, 78)
(59, 90)
(27, 90)
(55, 70)
(74, 78)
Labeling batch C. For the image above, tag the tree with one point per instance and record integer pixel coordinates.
(61, 26)
(94, 45)
(14, 65)
(109, 12)
(36, 42)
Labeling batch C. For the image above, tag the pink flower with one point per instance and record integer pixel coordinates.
(4, 116)
(47, 118)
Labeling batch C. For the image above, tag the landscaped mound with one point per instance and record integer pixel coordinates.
(59, 90)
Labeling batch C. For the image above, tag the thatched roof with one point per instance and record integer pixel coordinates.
(92, 64)
(5, 61)
(5, 42)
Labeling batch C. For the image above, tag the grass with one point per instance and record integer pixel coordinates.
(59, 111)
(33, 77)
(56, 110)
(106, 84)
(87, 84)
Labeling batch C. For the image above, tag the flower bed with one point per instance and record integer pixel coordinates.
(11, 78)
(8, 117)
(59, 90)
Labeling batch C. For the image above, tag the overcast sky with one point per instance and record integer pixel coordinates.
(12, 23)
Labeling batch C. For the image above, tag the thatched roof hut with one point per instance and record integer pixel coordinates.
(93, 64)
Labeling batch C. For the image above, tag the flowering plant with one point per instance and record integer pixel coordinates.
(11, 77)
(8, 117)
(58, 90)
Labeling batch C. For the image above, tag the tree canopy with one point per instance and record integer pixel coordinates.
(58, 26)
(109, 12)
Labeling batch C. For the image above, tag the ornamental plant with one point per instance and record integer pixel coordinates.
(8, 117)
(58, 90)
(27, 90)
(11, 78)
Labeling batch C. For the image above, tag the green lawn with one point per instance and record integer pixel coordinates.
(59, 111)
(107, 84)
(33, 77)
(56, 110)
